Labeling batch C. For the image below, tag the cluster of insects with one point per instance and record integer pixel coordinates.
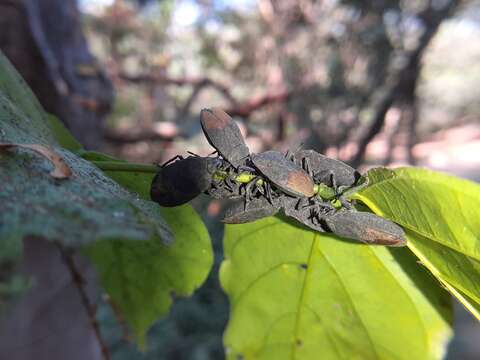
(305, 185)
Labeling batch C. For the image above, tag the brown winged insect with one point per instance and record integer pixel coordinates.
(306, 185)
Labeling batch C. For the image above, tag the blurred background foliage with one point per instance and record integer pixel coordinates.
(367, 82)
(379, 82)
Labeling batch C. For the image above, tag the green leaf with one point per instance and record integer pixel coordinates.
(135, 181)
(141, 277)
(61, 134)
(441, 215)
(82, 209)
(297, 294)
(89, 208)
(20, 107)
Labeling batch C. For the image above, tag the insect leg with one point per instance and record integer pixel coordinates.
(248, 190)
(300, 203)
(345, 203)
(306, 167)
(290, 155)
(176, 157)
(333, 180)
(230, 183)
(193, 154)
(246, 168)
(268, 191)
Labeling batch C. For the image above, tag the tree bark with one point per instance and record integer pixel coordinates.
(404, 81)
(45, 42)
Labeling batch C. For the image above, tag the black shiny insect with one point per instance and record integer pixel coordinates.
(180, 179)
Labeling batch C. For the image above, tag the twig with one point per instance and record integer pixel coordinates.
(198, 83)
(126, 335)
(376, 124)
(245, 109)
(404, 76)
(79, 283)
(236, 108)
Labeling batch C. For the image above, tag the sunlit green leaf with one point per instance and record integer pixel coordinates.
(142, 277)
(137, 182)
(82, 209)
(441, 215)
(297, 294)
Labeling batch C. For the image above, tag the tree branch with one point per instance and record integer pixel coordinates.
(236, 108)
(79, 283)
(248, 107)
(404, 77)
(197, 83)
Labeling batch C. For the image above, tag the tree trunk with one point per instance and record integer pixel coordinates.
(45, 42)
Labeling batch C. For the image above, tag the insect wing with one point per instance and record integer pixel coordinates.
(301, 214)
(286, 175)
(366, 227)
(323, 166)
(257, 209)
(224, 135)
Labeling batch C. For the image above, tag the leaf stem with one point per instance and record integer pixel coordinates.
(128, 167)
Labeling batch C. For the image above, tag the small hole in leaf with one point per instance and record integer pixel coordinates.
(304, 266)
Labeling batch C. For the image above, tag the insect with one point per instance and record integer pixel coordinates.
(284, 174)
(259, 208)
(333, 178)
(306, 185)
(178, 182)
(361, 226)
(224, 135)
(288, 176)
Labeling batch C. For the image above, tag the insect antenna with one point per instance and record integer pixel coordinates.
(176, 157)
(193, 154)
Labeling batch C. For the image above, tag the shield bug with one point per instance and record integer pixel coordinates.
(365, 227)
(311, 214)
(331, 172)
(361, 226)
(334, 180)
(224, 135)
(284, 174)
(258, 208)
(178, 182)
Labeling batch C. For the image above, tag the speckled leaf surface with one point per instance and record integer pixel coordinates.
(297, 294)
(441, 216)
(142, 278)
(90, 208)
(76, 211)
